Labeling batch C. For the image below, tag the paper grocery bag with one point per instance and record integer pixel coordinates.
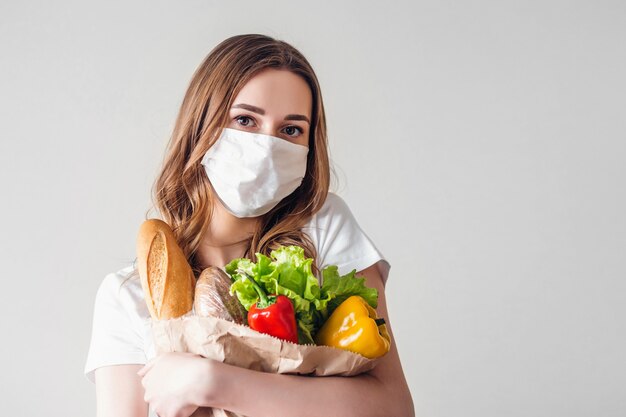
(241, 346)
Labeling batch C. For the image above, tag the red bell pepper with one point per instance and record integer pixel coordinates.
(273, 315)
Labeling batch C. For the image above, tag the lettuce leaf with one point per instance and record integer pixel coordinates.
(337, 288)
(288, 272)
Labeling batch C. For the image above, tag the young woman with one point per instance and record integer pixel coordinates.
(247, 170)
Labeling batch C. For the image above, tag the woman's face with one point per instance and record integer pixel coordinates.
(274, 102)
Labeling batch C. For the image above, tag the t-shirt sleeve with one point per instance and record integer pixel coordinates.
(340, 241)
(115, 339)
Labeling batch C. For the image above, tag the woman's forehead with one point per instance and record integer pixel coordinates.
(277, 92)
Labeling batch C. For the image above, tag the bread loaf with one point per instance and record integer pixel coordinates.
(213, 299)
(166, 276)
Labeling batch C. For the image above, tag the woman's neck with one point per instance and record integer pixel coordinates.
(227, 238)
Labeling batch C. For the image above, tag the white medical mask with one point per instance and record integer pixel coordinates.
(252, 172)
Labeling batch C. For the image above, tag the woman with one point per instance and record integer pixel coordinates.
(247, 170)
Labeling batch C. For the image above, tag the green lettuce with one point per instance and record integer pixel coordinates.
(288, 272)
(337, 288)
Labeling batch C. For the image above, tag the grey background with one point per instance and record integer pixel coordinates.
(481, 145)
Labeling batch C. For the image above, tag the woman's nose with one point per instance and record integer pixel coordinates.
(269, 128)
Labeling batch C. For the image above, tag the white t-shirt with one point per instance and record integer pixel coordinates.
(121, 332)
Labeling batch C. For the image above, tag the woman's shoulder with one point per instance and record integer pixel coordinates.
(339, 239)
(121, 281)
(122, 289)
(120, 330)
(333, 209)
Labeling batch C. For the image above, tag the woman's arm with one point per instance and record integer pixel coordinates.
(119, 392)
(174, 381)
(380, 392)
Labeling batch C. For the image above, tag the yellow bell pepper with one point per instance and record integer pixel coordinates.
(354, 326)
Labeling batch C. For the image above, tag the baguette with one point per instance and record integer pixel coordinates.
(167, 279)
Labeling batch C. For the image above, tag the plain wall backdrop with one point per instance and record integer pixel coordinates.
(481, 145)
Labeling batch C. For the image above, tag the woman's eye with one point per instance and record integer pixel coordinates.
(247, 121)
(245, 124)
(290, 130)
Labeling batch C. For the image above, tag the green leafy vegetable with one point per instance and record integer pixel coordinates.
(288, 272)
(337, 288)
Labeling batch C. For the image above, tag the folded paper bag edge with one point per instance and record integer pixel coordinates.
(275, 355)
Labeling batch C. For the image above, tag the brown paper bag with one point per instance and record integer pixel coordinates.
(241, 346)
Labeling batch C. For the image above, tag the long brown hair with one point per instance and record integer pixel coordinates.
(182, 193)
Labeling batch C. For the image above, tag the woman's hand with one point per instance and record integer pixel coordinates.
(175, 383)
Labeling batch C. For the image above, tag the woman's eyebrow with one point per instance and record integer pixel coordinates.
(260, 111)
